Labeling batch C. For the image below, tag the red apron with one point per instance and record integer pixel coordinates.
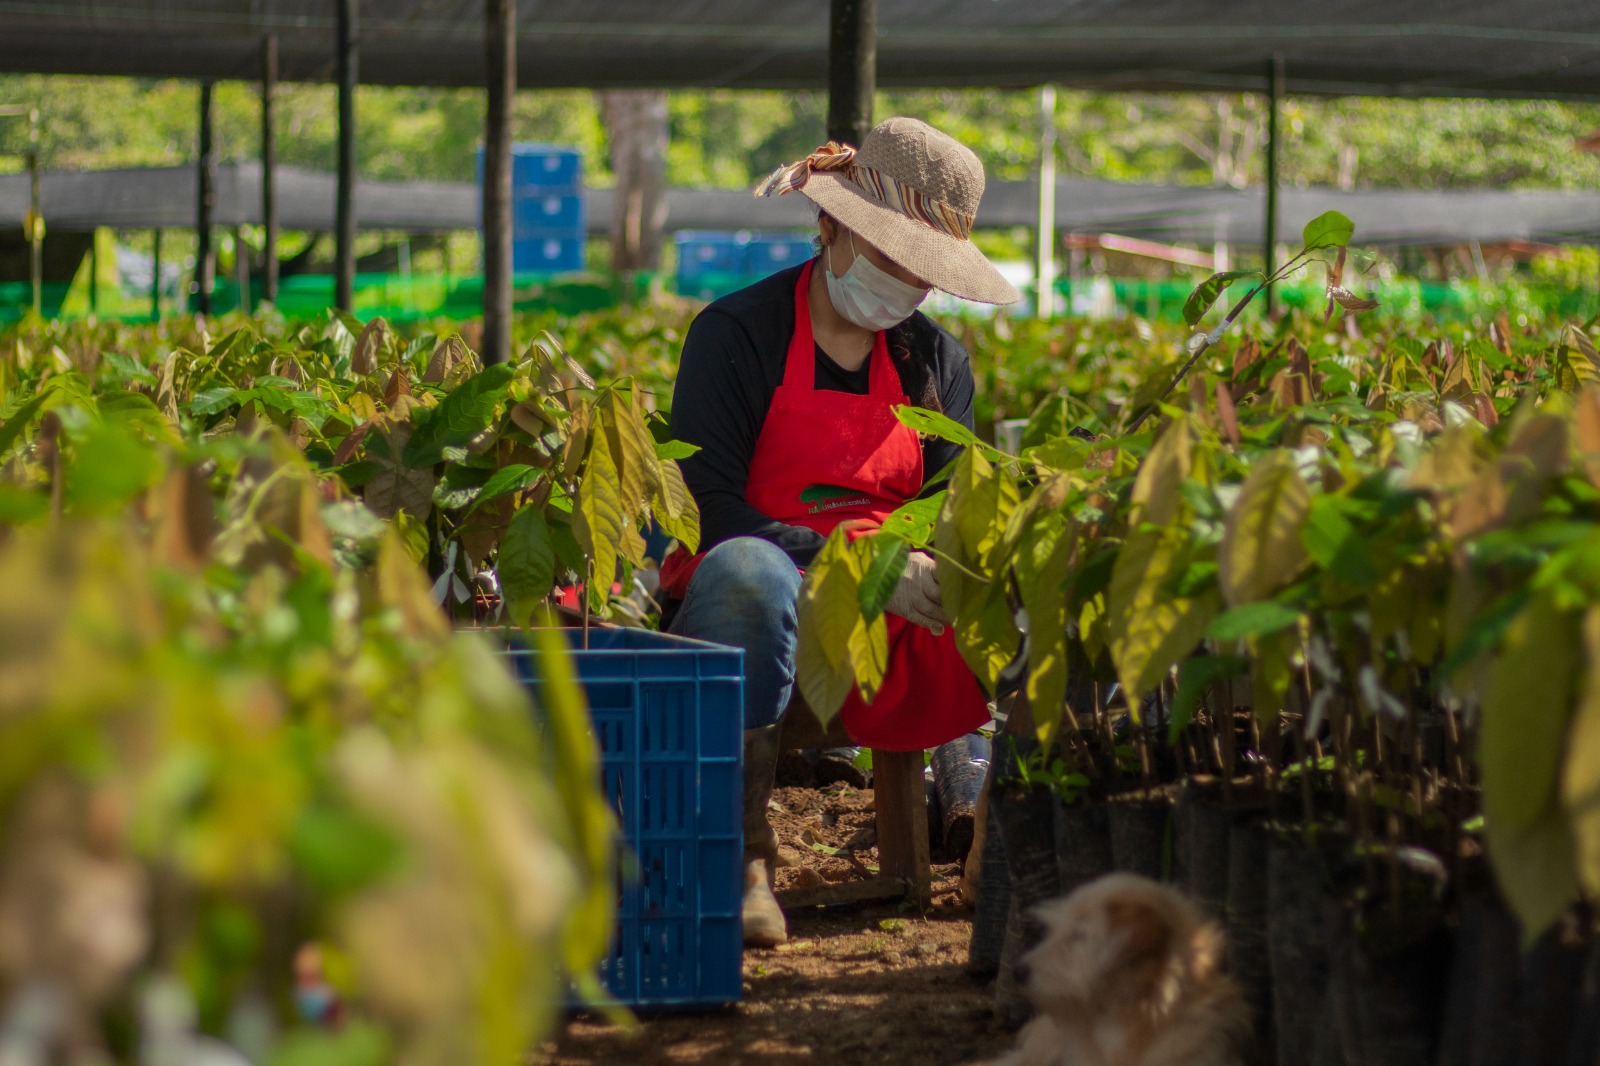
(824, 458)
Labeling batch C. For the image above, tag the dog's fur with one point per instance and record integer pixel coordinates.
(1129, 974)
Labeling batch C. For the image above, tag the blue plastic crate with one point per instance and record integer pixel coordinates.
(540, 170)
(668, 713)
(703, 252)
(772, 252)
(547, 253)
(545, 166)
(533, 214)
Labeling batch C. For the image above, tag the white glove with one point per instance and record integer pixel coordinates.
(916, 598)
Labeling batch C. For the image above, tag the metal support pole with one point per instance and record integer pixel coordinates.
(1270, 237)
(155, 279)
(203, 264)
(269, 170)
(344, 213)
(500, 69)
(94, 272)
(35, 217)
(1045, 267)
(241, 268)
(852, 69)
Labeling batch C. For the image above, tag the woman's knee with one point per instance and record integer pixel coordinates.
(749, 567)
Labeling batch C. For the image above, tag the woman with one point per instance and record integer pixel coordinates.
(788, 387)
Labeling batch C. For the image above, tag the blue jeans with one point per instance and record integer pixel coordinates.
(744, 594)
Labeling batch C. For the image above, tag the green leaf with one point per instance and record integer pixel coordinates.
(1158, 487)
(569, 554)
(675, 449)
(511, 478)
(941, 426)
(591, 826)
(357, 1044)
(1580, 771)
(1261, 549)
(462, 415)
(1150, 629)
(632, 449)
(340, 851)
(22, 505)
(1206, 293)
(1535, 868)
(829, 610)
(914, 520)
(526, 563)
(980, 500)
(1270, 673)
(127, 368)
(460, 486)
(294, 401)
(210, 401)
(108, 467)
(1334, 545)
(11, 431)
(1251, 620)
(235, 342)
(674, 508)
(600, 523)
(1328, 230)
(1043, 561)
(882, 575)
(1196, 674)
(1199, 576)
(869, 655)
(122, 405)
(986, 635)
(971, 528)
(1526, 706)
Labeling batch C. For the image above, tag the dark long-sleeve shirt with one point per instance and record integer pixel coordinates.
(733, 359)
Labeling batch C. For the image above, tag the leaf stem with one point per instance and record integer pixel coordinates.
(937, 554)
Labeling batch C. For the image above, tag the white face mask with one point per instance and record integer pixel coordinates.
(869, 297)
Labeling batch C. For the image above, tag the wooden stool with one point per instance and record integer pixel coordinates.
(904, 862)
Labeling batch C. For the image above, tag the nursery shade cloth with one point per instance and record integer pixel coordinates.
(165, 197)
(1532, 48)
(157, 197)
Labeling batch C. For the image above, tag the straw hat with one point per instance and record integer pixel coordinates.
(912, 192)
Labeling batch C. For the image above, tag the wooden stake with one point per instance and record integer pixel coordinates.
(902, 809)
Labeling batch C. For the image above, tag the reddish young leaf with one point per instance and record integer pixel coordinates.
(1227, 413)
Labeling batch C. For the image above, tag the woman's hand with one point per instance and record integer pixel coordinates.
(917, 598)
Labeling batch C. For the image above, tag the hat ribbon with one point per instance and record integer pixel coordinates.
(888, 191)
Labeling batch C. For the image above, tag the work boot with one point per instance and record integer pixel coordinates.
(838, 765)
(764, 926)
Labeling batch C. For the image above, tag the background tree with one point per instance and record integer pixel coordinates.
(637, 129)
(729, 139)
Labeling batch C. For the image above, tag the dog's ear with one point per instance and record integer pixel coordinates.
(1144, 929)
(1145, 939)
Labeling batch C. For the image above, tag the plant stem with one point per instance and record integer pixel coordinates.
(1216, 334)
(584, 601)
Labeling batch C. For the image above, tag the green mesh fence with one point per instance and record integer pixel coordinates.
(402, 298)
(396, 297)
(1404, 298)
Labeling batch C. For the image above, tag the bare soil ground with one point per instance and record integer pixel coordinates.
(872, 984)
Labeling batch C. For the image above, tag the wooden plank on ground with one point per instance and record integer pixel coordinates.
(872, 889)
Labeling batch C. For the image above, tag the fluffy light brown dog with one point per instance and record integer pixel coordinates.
(1128, 974)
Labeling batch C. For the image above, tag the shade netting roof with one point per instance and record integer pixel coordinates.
(1495, 48)
(166, 197)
